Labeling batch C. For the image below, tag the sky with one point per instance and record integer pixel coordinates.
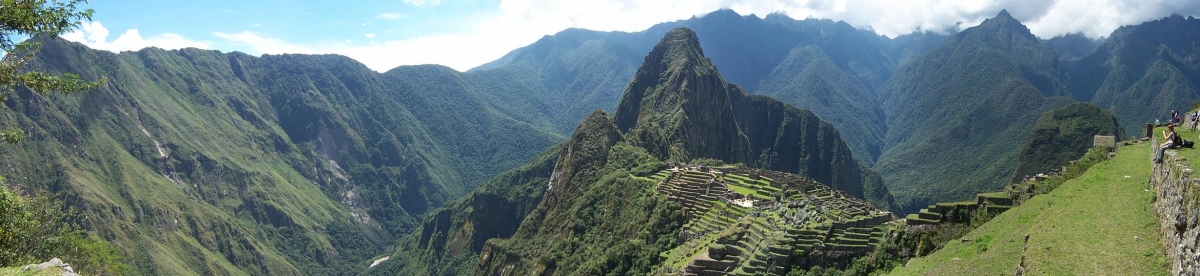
(463, 34)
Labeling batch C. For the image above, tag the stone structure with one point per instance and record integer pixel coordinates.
(1106, 141)
(1177, 207)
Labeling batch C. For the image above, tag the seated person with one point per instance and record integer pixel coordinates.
(1172, 141)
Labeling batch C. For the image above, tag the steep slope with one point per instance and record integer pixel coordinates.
(1062, 135)
(553, 82)
(210, 163)
(809, 79)
(1143, 71)
(597, 199)
(451, 237)
(686, 110)
(956, 115)
(1072, 47)
(595, 217)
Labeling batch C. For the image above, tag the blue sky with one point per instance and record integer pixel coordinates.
(466, 33)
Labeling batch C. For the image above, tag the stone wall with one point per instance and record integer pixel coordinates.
(1177, 208)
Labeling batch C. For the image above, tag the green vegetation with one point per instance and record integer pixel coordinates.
(1099, 223)
(1140, 74)
(205, 162)
(957, 116)
(809, 79)
(1062, 135)
(35, 229)
(686, 120)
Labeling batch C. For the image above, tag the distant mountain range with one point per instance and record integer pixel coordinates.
(224, 163)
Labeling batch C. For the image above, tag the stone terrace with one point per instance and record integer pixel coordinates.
(790, 217)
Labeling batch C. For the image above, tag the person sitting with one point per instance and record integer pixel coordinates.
(1172, 141)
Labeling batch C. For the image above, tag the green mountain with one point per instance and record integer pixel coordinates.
(680, 108)
(676, 108)
(1142, 72)
(811, 80)
(555, 81)
(203, 162)
(957, 115)
(1062, 135)
(1072, 47)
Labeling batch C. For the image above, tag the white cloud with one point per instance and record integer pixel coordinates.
(423, 2)
(264, 45)
(95, 35)
(390, 16)
(517, 23)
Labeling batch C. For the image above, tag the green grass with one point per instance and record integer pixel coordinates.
(1085, 227)
(16, 271)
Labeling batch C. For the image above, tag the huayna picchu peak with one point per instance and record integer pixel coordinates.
(623, 178)
(679, 106)
(949, 139)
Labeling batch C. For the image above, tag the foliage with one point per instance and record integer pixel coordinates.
(450, 238)
(194, 160)
(1142, 72)
(24, 18)
(1062, 135)
(617, 225)
(35, 229)
(957, 116)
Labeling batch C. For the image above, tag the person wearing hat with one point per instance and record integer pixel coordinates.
(1171, 138)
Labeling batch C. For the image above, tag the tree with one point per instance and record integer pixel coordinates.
(38, 227)
(35, 18)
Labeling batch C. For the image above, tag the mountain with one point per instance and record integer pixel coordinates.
(214, 163)
(676, 108)
(1142, 72)
(555, 81)
(681, 109)
(1072, 47)
(1062, 135)
(811, 80)
(957, 115)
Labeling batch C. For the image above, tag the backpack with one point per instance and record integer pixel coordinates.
(1175, 139)
(1188, 144)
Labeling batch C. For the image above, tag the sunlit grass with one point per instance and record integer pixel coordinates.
(1101, 223)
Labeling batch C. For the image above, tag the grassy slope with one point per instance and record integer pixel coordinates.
(1085, 227)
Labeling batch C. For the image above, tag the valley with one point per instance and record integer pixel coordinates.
(723, 144)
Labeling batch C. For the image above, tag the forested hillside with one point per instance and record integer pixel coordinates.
(201, 161)
(676, 108)
(226, 163)
(1142, 72)
(957, 116)
(1062, 135)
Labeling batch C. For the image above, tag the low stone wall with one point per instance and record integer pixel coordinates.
(1177, 209)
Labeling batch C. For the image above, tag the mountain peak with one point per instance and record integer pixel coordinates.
(681, 43)
(1002, 25)
(1004, 14)
(678, 59)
